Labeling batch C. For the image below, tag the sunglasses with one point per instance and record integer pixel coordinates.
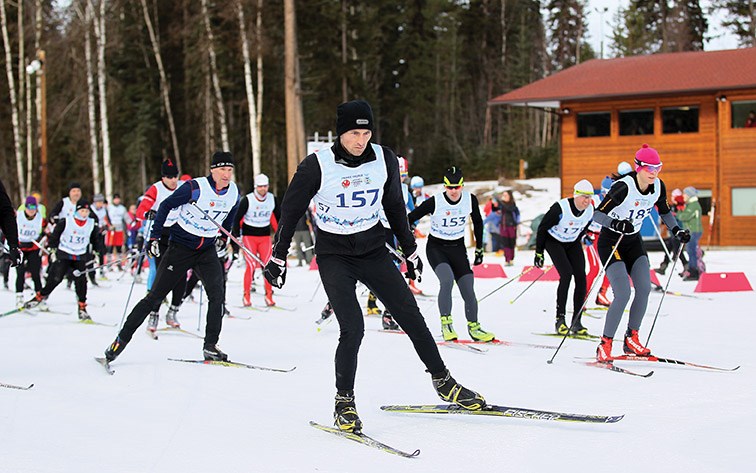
(453, 187)
(648, 167)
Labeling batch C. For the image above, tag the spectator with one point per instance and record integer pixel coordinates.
(510, 218)
(691, 220)
(751, 120)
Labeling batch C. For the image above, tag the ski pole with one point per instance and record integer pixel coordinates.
(577, 314)
(199, 312)
(78, 273)
(544, 271)
(674, 262)
(658, 233)
(317, 288)
(44, 250)
(230, 236)
(510, 281)
(128, 299)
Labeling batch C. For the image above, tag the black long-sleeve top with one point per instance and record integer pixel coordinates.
(8, 218)
(552, 218)
(305, 184)
(429, 206)
(244, 229)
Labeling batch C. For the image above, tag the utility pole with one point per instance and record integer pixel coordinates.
(601, 12)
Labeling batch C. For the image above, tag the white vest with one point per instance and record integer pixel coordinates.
(259, 212)
(68, 208)
(448, 221)
(382, 215)
(117, 213)
(349, 199)
(101, 214)
(569, 226)
(636, 206)
(28, 230)
(162, 194)
(217, 207)
(75, 239)
(595, 227)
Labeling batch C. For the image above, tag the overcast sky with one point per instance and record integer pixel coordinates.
(722, 41)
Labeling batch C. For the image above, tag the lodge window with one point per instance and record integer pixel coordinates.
(594, 124)
(636, 122)
(744, 114)
(680, 119)
(744, 202)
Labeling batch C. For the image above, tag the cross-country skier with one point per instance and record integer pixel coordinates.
(350, 183)
(622, 211)
(69, 246)
(67, 205)
(259, 211)
(8, 226)
(560, 233)
(31, 227)
(446, 251)
(191, 246)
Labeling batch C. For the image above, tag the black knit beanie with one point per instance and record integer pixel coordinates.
(168, 169)
(356, 114)
(221, 159)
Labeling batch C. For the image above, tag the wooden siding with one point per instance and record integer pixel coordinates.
(716, 154)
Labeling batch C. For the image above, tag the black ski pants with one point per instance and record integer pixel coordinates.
(173, 266)
(32, 263)
(177, 294)
(58, 270)
(377, 271)
(569, 260)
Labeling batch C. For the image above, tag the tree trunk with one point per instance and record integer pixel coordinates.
(22, 89)
(258, 41)
(37, 77)
(92, 114)
(216, 82)
(254, 132)
(100, 36)
(29, 136)
(344, 83)
(14, 105)
(295, 147)
(164, 90)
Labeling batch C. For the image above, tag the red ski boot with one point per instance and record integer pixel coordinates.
(633, 345)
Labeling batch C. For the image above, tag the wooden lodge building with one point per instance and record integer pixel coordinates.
(693, 107)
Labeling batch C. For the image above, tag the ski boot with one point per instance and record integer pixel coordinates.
(226, 312)
(633, 346)
(152, 323)
(83, 316)
(447, 329)
(115, 349)
(604, 350)
(450, 391)
(692, 275)
(478, 334)
(246, 300)
(213, 353)
(561, 326)
(662, 267)
(170, 317)
(38, 302)
(269, 299)
(388, 322)
(345, 416)
(414, 289)
(601, 298)
(372, 305)
(19, 300)
(577, 327)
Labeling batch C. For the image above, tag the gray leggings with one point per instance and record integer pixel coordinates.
(465, 283)
(618, 278)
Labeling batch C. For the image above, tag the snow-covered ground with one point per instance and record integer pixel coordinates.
(156, 415)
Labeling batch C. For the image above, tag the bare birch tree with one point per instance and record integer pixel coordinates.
(216, 81)
(14, 102)
(91, 113)
(100, 37)
(254, 132)
(164, 90)
(258, 47)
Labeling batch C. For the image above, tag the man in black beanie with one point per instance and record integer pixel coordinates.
(67, 205)
(191, 246)
(350, 183)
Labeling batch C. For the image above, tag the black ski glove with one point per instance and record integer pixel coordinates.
(478, 257)
(683, 236)
(16, 256)
(414, 267)
(538, 260)
(623, 226)
(153, 249)
(275, 272)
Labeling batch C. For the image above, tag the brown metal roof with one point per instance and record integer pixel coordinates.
(634, 76)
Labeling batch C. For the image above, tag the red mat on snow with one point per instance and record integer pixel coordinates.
(532, 274)
(723, 282)
(486, 270)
